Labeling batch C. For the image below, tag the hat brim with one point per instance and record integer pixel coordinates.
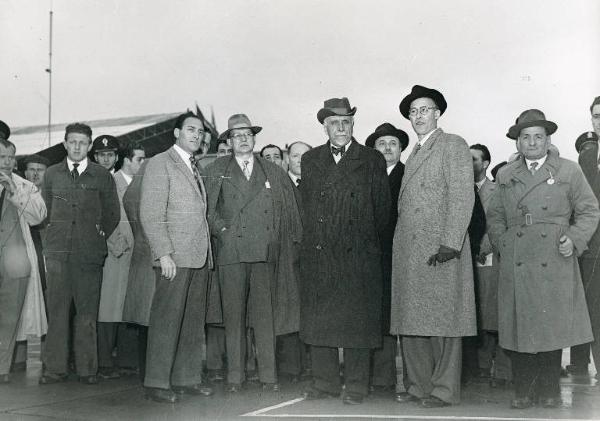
(326, 112)
(400, 135)
(432, 94)
(514, 131)
(225, 134)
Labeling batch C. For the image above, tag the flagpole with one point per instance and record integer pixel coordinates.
(49, 71)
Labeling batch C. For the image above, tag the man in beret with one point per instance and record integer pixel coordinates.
(346, 207)
(433, 303)
(105, 151)
(391, 142)
(540, 220)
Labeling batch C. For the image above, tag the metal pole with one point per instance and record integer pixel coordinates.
(49, 70)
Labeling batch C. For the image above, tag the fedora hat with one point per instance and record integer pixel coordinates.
(335, 106)
(387, 129)
(531, 118)
(586, 137)
(239, 121)
(419, 91)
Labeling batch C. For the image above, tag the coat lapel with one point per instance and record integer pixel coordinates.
(347, 165)
(416, 159)
(542, 175)
(181, 166)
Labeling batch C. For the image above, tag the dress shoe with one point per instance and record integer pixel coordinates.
(89, 380)
(197, 389)
(161, 395)
(109, 373)
(215, 376)
(4, 379)
(352, 398)
(404, 397)
(521, 403)
(312, 393)
(550, 402)
(233, 387)
(270, 387)
(433, 402)
(51, 378)
(252, 376)
(578, 370)
(18, 367)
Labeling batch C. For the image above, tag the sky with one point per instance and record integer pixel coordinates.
(278, 60)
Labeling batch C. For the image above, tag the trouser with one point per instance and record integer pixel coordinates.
(292, 354)
(117, 345)
(20, 352)
(470, 363)
(12, 297)
(433, 366)
(536, 375)
(493, 358)
(72, 283)
(590, 274)
(246, 291)
(383, 364)
(215, 347)
(326, 369)
(176, 329)
(142, 345)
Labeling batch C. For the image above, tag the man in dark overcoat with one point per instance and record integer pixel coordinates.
(346, 207)
(391, 142)
(83, 211)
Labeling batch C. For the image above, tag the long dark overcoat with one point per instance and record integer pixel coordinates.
(345, 211)
(540, 293)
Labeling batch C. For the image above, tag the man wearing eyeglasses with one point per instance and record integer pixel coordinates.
(433, 303)
(255, 220)
(173, 216)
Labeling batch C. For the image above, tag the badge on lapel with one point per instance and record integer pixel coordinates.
(267, 184)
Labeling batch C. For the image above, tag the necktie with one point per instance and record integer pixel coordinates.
(75, 173)
(246, 170)
(417, 148)
(533, 167)
(298, 182)
(338, 151)
(2, 195)
(197, 175)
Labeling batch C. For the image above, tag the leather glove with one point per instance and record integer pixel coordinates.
(443, 255)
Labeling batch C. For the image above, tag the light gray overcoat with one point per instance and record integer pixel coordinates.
(434, 208)
(541, 298)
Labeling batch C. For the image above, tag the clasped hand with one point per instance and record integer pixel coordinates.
(443, 255)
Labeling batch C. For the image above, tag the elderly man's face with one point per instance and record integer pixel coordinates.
(423, 115)
(35, 173)
(533, 143)
(241, 141)
(224, 149)
(273, 155)
(339, 129)
(295, 157)
(596, 118)
(390, 147)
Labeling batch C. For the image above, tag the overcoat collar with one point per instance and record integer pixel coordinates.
(185, 170)
(546, 172)
(418, 157)
(349, 162)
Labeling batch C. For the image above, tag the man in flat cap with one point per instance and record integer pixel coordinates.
(253, 214)
(105, 151)
(540, 220)
(433, 303)
(346, 206)
(391, 142)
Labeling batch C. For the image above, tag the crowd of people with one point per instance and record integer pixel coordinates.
(268, 266)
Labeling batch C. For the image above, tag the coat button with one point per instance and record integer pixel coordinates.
(544, 235)
(544, 264)
(319, 247)
(519, 234)
(322, 193)
(321, 220)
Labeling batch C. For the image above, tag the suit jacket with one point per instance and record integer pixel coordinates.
(173, 212)
(81, 213)
(434, 208)
(588, 160)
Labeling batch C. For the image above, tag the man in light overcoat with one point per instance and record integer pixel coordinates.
(433, 302)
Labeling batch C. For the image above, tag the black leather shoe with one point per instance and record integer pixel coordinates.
(404, 397)
(89, 380)
(51, 378)
(270, 387)
(550, 402)
(313, 393)
(233, 387)
(433, 402)
(521, 403)
(161, 395)
(352, 398)
(197, 389)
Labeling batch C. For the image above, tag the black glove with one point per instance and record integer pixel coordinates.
(443, 255)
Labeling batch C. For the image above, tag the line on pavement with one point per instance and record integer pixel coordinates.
(270, 408)
(403, 417)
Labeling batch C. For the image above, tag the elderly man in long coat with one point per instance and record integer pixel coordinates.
(540, 220)
(433, 303)
(346, 206)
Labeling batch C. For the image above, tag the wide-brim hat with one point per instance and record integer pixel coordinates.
(419, 91)
(5, 130)
(586, 137)
(36, 159)
(387, 129)
(335, 106)
(239, 121)
(105, 142)
(531, 118)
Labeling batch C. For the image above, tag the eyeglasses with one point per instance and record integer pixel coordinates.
(240, 136)
(422, 111)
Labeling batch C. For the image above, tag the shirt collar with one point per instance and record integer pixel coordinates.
(426, 137)
(480, 183)
(127, 178)
(391, 168)
(185, 156)
(80, 168)
(250, 160)
(293, 177)
(539, 161)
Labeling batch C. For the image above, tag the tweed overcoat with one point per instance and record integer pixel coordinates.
(115, 273)
(434, 208)
(345, 207)
(487, 276)
(542, 302)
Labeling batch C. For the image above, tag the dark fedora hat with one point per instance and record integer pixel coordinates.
(419, 91)
(531, 118)
(4, 130)
(586, 137)
(387, 129)
(335, 106)
(239, 121)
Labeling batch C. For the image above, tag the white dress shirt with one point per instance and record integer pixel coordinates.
(82, 165)
(250, 160)
(539, 161)
(391, 168)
